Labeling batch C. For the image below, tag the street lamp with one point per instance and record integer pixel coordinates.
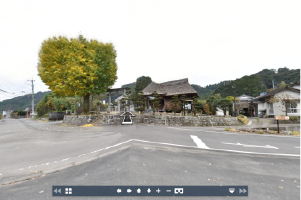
(234, 101)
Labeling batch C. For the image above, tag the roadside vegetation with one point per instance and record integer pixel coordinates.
(243, 119)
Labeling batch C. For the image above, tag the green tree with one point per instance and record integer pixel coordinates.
(224, 104)
(21, 112)
(196, 107)
(184, 102)
(142, 82)
(77, 66)
(210, 102)
(140, 102)
(156, 102)
(175, 104)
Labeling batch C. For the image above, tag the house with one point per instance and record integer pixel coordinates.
(243, 107)
(288, 102)
(168, 89)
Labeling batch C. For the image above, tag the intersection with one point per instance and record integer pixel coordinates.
(40, 153)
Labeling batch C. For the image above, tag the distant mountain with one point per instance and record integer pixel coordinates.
(251, 85)
(131, 85)
(254, 84)
(22, 102)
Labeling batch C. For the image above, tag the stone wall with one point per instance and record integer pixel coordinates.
(110, 120)
(80, 120)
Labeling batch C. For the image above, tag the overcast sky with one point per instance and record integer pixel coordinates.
(204, 41)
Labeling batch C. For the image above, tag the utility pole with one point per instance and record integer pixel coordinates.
(234, 101)
(32, 103)
(273, 83)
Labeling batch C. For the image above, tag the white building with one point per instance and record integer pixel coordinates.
(263, 106)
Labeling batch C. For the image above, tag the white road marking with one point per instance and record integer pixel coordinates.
(199, 142)
(247, 152)
(297, 147)
(248, 134)
(248, 145)
(182, 129)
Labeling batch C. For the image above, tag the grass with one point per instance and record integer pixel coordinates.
(295, 132)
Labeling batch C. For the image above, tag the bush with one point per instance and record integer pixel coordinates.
(260, 132)
(294, 118)
(0, 116)
(21, 112)
(243, 119)
(227, 129)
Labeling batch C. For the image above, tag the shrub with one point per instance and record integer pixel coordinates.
(0, 116)
(243, 119)
(294, 118)
(227, 129)
(260, 132)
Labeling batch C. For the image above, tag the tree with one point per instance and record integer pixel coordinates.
(156, 102)
(140, 102)
(175, 104)
(224, 104)
(127, 98)
(210, 102)
(206, 109)
(142, 82)
(21, 112)
(77, 66)
(183, 100)
(197, 105)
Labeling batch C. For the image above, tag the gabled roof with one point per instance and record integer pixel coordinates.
(170, 88)
(288, 87)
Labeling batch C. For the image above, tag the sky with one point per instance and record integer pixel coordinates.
(204, 41)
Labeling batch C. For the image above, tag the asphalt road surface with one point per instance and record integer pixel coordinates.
(37, 155)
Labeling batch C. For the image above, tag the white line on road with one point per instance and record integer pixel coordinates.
(248, 134)
(248, 145)
(297, 147)
(182, 129)
(199, 142)
(197, 139)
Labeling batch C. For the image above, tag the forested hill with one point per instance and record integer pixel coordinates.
(251, 85)
(254, 84)
(21, 102)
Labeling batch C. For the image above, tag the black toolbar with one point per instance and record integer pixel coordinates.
(150, 190)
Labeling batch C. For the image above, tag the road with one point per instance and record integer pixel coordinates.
(36, 155)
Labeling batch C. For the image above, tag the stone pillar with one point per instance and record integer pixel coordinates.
(109, 105)
(145, 106)
(118, 106)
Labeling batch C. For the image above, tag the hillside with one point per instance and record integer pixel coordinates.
(22, 102)
(254, 84)
(251, 85)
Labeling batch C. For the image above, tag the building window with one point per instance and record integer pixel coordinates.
(291, 107)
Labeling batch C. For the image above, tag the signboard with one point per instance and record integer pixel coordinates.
(127, 117)
(282, 117)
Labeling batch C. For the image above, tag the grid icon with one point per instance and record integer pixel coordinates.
(68, 190)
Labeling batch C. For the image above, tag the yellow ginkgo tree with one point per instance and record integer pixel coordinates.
(77, 66)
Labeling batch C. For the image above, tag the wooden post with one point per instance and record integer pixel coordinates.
(278, 126)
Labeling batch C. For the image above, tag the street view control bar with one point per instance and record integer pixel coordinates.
(150, 191)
